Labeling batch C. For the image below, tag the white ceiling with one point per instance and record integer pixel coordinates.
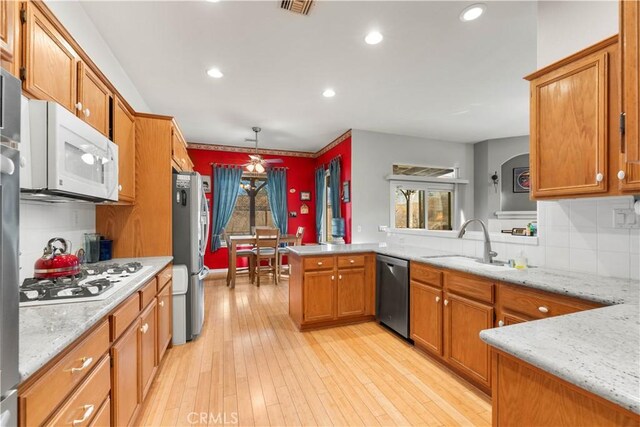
(433, 76)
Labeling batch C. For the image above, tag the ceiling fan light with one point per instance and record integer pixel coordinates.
(250, 167)
(259, 168)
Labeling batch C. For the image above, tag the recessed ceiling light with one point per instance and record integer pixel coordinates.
(213, 1)
(374, 37)
(329, 93)
(472, 12)
(215, 73)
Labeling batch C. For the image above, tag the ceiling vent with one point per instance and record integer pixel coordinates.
(298, 6)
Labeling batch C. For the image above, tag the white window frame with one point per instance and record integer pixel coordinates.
(426, 187)
(323, 226)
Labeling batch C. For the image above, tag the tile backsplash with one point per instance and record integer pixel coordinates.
(39, 222)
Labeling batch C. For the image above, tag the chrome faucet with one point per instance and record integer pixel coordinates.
(487, 258)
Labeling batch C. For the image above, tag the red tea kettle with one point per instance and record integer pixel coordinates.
(56, 261)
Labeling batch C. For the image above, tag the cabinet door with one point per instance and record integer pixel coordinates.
(125, 377)
(124, 135)
(148, 339)
(319, 296)
(426, 317)
(351, 292)
(8, 25)
(569, 113)
(630, 38)
(94, 99)
(464, 319)
(50, 62)
(165, 320)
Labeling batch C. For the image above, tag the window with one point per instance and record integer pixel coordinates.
(422, 205)
(252, 208)
(328, 211)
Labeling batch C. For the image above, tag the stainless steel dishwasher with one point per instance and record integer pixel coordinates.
(392, 288)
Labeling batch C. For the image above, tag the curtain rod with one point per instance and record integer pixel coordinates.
(242, 166)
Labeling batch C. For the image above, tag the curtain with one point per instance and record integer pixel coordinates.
(226, 187)
(277, 196)
(319, 199)
(334, 184)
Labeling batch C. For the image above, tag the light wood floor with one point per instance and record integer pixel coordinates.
(253, 367)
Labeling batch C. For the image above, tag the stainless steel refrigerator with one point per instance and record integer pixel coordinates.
(10, 208)
(190, 237)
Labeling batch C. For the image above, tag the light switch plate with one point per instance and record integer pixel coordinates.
(625, 218)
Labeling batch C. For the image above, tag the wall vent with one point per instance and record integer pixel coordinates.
(298, 6)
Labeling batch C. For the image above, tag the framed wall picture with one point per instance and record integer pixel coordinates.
(304, 209)
(521, 180)
(206, 183)
(305, 195)
(346, 191)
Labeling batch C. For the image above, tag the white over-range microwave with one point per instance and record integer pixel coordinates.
(64, 157)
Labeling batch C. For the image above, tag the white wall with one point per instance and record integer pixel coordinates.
(373, 155)
(74, 18)
(566, 27)
(39, 222)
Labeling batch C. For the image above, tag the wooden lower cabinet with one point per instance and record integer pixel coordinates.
(351, 292)
(464, 319)
(319, 291)
(331, 290)
(103, 417)
(524, 395)
(165, 319)
(426, 317)
(148, 348)
(126, 394)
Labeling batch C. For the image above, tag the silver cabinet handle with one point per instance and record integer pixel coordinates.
(79, 106)
(340, 277)
(437, 299)
(120, 187)
(144, 328)
(319, 262)
(543, 309)
(161, 303)
(352, 261)
(88, 410)
(500, 323)
(333, 277)
(599, 177)
(86, 361)
(87, 112)
(621, 175)
(446, 302)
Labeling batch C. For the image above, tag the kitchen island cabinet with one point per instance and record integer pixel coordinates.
(331, 290)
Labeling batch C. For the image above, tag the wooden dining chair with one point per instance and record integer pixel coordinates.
(267, 242)
(284, 251)
(241, 252)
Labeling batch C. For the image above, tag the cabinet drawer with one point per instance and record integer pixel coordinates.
(470, 286)
(103, 417)
(124, 315)
(148, 293)
(45, 395)
(537, 304)
(351, 261)
(82, 406)
(318, 263)
(424, 274)
(164, 276)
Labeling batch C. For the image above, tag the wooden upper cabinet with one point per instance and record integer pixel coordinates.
(50, 63)
(629, 174)
(569, 114)
(124, 135)
(9, 27)
(94, 100)
(180, 156)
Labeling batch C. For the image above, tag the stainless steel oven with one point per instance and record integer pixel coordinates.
(9, 207)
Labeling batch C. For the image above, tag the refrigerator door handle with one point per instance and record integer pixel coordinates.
(205, 238)
(203, 273)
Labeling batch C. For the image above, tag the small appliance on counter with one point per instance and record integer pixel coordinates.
(56, 261)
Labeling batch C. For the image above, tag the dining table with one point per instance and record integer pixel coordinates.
(249, 240)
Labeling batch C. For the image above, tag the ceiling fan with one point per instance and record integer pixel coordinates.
(256, 162)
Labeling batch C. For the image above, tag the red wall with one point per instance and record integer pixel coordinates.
(300, 176)
(344, 151)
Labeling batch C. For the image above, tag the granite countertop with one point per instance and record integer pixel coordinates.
(597, 350)
(47, 330)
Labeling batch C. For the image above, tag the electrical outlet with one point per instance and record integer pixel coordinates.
(382, 228)
(359, 228)
(625, 218)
